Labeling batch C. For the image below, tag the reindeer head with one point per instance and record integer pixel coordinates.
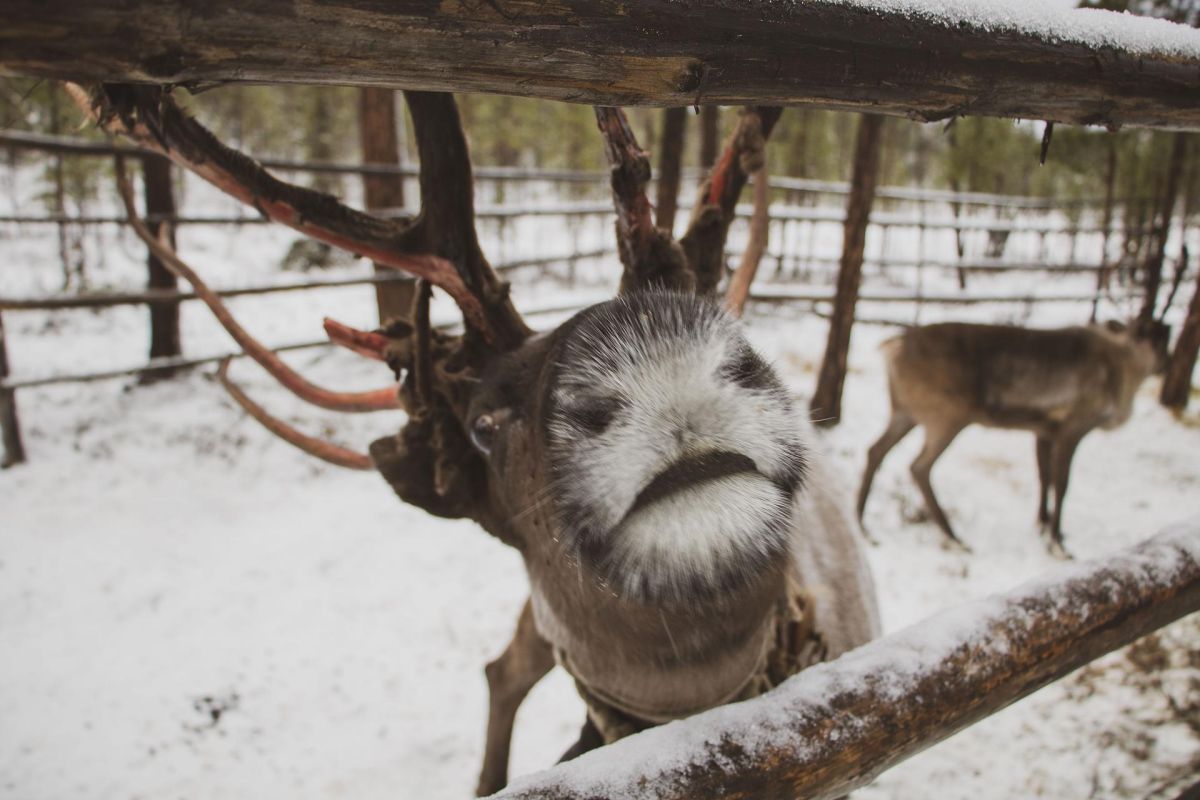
(647, 440)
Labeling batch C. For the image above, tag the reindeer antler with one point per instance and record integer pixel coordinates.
(439, 245)
(650, 255)
(377, 400)
(704, 241)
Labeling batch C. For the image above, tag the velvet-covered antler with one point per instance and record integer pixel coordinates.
(651, 256)
(438, 245)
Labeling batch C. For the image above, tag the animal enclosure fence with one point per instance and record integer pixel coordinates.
(925, 248)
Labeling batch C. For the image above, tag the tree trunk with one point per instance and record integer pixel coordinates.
(1162, 228)
(377, 133)
(14, 449)
(164, 317)
(710, 138)
(670, 160)
(1177, 382)
(826, 405)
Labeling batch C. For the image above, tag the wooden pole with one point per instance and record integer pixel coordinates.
(14, 448)
(164, 317)
(377, 131)
(1177, 381)
(826, 404)
(886, 58)
(710, 138)
(1162, 227)
(670, 162)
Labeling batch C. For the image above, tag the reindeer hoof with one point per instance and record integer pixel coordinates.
(953, 543)
(1056, 549)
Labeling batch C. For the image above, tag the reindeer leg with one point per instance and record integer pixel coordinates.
(1064, 451)
(937, 439)
(523, 663)
(898, 426)
(589, 739)
(1044, 444)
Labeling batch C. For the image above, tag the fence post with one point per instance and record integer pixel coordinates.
(160, 212)
(14, 450)
(379, 135)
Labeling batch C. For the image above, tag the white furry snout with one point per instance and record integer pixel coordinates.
(647, 383)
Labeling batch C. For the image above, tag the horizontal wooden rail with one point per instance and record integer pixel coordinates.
(835, 726)
(74, 145)
(159, 296)
(78, 146)
(180, 362)
(778, 213)
(772, 295)
(921, 60)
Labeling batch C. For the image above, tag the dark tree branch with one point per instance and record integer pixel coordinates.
(848, 56)
(704, 242)
(835, 726)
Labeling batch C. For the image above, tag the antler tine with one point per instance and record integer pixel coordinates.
(366, 343)
(649, 255)
(739, 283)
(326, 451)
(378, 400)
(704, 242)
(446, 225)
(149, 116)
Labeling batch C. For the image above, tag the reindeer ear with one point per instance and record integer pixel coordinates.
(1114, 326)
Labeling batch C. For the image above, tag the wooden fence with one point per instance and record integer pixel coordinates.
(800, 207)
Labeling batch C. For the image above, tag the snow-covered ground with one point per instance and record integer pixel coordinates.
(190, 608)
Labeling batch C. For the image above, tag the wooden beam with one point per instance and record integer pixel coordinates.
(835, 726)
(899, 57)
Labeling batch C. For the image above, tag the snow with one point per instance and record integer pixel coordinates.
(189, 607)
(1092, 28)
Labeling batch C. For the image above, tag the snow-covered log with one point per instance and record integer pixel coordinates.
(929, 59)
(836, 725)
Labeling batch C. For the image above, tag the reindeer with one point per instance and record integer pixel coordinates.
(1059, 384)
(685, 543)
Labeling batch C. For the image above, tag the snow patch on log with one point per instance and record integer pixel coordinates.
(1092, 28)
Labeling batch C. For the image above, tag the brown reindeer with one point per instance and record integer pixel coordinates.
(1059, 384)
(685, 544)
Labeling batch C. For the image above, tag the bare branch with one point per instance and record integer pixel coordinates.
(835, 726)
(704, 242)
(326, 451)
(649, 254)
(378, 400)
(760, 225)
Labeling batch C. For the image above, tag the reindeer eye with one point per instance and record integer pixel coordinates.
(483, 433)
(747, 370)
(593, 416)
